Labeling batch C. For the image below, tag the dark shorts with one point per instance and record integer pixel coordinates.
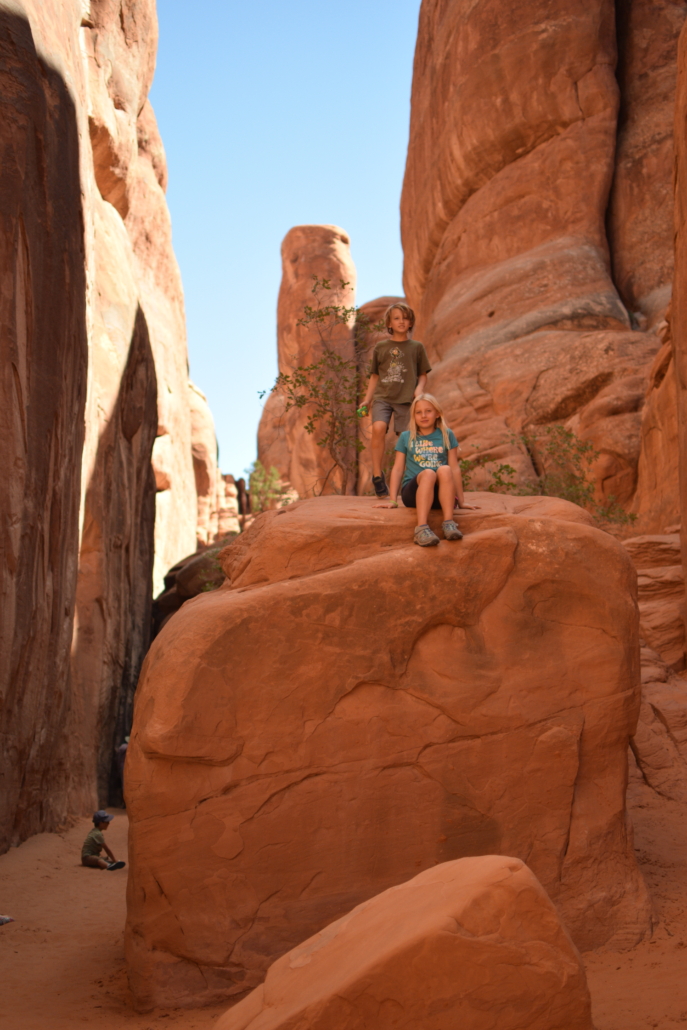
(91, 860)
(409, 492)
(382, 410)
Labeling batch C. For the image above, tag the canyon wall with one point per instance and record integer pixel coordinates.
(679, 303)
(99, 493)
(537, 231)
(283, 443)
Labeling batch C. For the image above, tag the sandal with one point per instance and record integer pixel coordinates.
(451, 531)
(425, 537)
(116, 865)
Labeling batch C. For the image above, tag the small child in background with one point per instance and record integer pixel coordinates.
(427, 472)
(95, 842)
(397, 374)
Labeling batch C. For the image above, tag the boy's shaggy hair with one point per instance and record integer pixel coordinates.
(440, 422)
(408, 312)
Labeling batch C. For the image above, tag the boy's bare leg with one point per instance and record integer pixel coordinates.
(424, 495)
(379, 430)
(94, 862)
(447, 491)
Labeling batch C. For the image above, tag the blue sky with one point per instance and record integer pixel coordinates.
(276, 114)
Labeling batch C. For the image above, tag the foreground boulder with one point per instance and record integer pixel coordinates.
(475, 942)
(350, 709)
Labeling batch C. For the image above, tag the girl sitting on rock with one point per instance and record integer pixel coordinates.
(427, 471)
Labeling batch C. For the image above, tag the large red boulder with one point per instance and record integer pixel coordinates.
(474, 943)
(350, 709)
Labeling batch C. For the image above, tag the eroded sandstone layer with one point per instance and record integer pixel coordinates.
(307, 250)
(465, 944)
(95, 384)
(350, 709)
(537, 230)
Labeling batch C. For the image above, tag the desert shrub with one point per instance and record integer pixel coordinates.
(563, 463)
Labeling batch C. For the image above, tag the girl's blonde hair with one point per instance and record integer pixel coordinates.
(440, 422)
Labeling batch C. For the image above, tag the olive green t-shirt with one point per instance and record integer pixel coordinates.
(93, 844)
(399, 366)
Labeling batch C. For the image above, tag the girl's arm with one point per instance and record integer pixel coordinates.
(394, 481)
(458, 480)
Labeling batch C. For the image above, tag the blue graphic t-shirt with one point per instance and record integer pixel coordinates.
(424, 452)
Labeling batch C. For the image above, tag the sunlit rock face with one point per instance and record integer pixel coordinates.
(464, 944)
(307, 251)
(537, 229)
(98, 493)
(349, 709)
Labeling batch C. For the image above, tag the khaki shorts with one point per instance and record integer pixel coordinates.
(383, 410)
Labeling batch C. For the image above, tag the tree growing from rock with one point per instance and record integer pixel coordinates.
(328, 390)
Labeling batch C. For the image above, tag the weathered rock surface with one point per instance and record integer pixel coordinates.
(515, 149)
(350, 710)
(44, 346)
(307, 251)
(679, 304)
(217, 494)
(473, 943)
(659, 745)
(661, 595)
(93, 335)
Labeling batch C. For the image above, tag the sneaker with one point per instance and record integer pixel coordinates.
(116, 865)
(425, 537)
(451, 531)
(379, 483)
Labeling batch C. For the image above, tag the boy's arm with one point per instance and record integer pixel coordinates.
(394, 482)
(423, 367)
(113, 859)
(458, 480)
(371, 387)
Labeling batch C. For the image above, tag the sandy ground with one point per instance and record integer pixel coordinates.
(647, 986)
(61, 962)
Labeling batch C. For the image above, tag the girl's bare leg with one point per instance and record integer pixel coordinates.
(425, 495)
(447, 491)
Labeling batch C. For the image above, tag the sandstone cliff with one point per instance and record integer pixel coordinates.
(307, 251)
(95, 385)
(537, 231)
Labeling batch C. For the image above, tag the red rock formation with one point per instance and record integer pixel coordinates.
(217, 504)
(307, 251)
(350, 710)
(43, 335)
(453, 946)
(679, 303)
(511, 163)
(640, 222)
(661, 595)
(94, 327)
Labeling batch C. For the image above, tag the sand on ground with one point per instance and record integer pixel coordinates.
(62, 963)
(62, 960)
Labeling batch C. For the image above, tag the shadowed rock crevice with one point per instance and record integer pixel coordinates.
(43, 344)
(113, 601)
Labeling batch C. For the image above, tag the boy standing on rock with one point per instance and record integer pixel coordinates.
(398, 374)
